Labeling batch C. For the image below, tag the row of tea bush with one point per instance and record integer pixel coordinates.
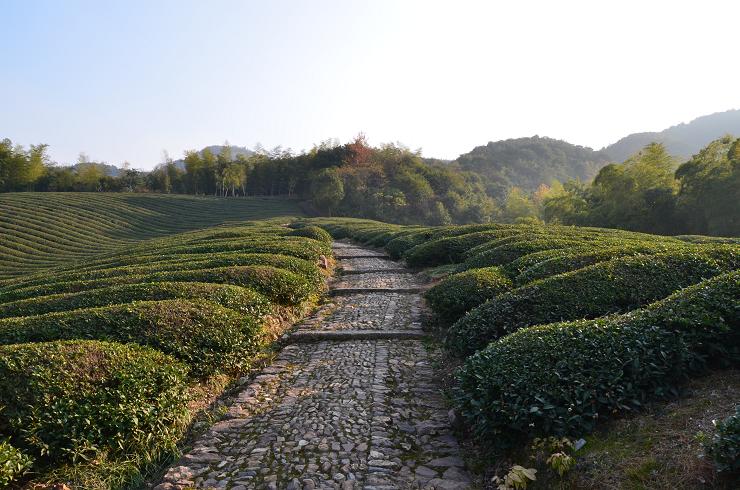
(563, 327)
(97, 359)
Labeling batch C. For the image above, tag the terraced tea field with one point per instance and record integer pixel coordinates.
(98, 357)
(116, 311)
(40, 230)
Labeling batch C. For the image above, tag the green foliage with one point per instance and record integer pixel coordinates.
(312, 232)
(709, 186)
(80, 400)
(647, 193)
(207, 337)
(447, 250)
(460, 293)
(327, 190)
(529, 162)
(243, 300)
(614, 286)
(13, 463)
(42, 230)
(563, 378)
(724, 448)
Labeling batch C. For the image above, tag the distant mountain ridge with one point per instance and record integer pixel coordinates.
(682, 140)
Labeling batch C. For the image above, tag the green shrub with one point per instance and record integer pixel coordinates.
(140, 265)
(72, 401)
(243, 300)
(205, 336)
(615, 286)
(399, 245)
(517, 247)
(724, 448)
(569, 260)
(561, 379)
(13, 463)
(312, 232)
(279, 285)
(459, 293)
(447, 250)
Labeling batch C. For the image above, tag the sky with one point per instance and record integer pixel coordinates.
(125, 80)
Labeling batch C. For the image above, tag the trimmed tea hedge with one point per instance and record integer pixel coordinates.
(460, 293)
(450, 249)
(42, 230)
(243, 300)
(312, 232)
(205, 336)
(561, 379)
(615, 286)
(279, 285)
(68, 401)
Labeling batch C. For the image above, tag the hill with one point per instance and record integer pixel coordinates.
(529, 162)
(40, 230)
(682, 140)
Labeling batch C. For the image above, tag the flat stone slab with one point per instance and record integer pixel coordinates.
(371, 264)
(380, 280)
(302, 336)
(346, 291)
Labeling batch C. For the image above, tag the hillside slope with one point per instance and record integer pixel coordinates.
(529, 162)
(682, 140)
(40, 230)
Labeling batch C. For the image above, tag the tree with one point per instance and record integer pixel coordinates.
(709, 189)
(327, 190)
(193, 167)
(518, 205)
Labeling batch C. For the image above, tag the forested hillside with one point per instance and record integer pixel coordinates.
(682, 140)
(528, 162)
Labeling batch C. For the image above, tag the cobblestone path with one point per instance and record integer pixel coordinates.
(351, 404)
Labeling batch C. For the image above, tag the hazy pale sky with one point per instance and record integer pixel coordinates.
(123, 80)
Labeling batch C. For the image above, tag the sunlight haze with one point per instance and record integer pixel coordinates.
(122, 81)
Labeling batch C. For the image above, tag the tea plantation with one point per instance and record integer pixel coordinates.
(561, 328)
(39, 230)
(114, 309)
(98, 358)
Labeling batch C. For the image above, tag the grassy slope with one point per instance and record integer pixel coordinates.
(661, 448)
(41, 230)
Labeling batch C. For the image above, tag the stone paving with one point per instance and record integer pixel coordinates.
(341, 414)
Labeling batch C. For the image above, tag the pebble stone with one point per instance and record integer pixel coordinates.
(354, 414)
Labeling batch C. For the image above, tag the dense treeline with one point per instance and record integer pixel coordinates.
(649, 192)
(389, 182)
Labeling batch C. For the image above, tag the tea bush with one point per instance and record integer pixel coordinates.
(76, 400)
(13, 464)
(615, 286)
(205, 336)
(459, 293)
(312, 232)
(243, 300)
(279, 285)
(563, 378)
(724, 448)
(447, 250)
